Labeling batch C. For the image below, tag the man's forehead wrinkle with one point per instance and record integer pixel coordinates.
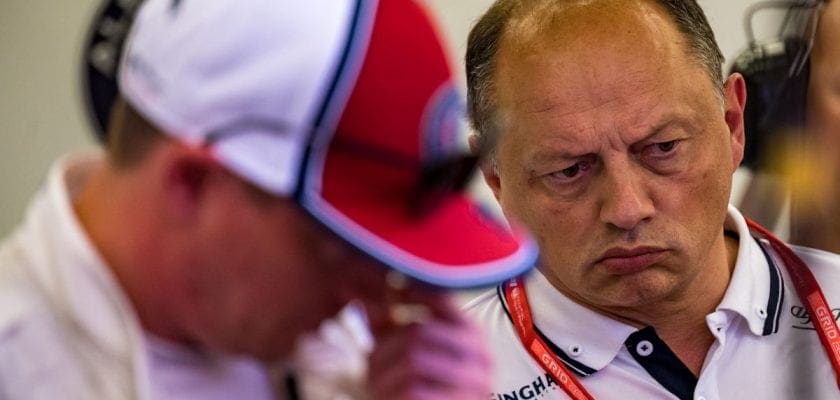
(584, 100)
(577, 137)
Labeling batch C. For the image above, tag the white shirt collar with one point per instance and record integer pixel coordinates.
(583, 335)
(76, 274)
(755, 290)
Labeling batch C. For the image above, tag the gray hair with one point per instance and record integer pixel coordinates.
(486, 35)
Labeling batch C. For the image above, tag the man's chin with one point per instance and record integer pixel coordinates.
(641, 289)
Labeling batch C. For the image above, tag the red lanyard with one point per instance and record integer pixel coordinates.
(810, 293)
(520, 313)
(803, 280)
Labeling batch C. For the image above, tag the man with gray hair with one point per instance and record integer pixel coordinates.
(616, 138)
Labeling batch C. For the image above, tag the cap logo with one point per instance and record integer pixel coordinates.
(443, 124)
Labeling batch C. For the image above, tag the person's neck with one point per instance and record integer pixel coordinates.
(114, 218)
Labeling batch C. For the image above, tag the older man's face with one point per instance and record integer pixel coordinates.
(618, 153)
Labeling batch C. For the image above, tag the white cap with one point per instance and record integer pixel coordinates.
(194, 68)
(342, 104)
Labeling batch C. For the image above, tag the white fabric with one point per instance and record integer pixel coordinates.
(68, 332)
(743, 363)
(332, 362)
(179, 373)
(261, 70)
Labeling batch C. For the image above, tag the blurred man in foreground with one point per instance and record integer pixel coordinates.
(268, 162)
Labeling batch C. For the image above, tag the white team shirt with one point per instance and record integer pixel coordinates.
(177, 372)
(765, 347)
(68, 332)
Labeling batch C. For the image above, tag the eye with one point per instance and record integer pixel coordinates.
(573, 171)
(666, 147)
(661, 150)
(665, 157)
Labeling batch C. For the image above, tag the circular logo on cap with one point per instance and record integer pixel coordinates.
(101, 59)
(444, 124)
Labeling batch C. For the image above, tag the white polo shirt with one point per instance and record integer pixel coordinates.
(67, 331)
(765, 347)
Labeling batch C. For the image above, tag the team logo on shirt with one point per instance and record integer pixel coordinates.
(803, 318)
(533, 390)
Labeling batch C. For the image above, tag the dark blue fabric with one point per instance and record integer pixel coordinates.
(662, 364)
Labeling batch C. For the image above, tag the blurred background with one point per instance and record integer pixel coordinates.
(42, 109)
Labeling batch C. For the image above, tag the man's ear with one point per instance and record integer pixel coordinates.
(487, 170)
(734, 99)
(186, 174)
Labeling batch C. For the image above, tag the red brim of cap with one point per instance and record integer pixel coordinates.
(456, 244)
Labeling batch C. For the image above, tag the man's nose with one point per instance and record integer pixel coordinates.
(626, 201)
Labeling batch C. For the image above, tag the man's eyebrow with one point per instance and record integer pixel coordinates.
(545, 155)
(562, 153)
(667, 121)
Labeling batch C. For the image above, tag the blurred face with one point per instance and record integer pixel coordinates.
(267, 272)
(824, 87)
(617, 154)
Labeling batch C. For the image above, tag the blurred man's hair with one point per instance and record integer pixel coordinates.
(130, 136)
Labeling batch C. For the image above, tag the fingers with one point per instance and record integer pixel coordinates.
(440, 304)
(444, 358)
(412, 303)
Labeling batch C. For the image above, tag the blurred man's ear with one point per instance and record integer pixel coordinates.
(734, 99)
(487, 170)
(186, 175)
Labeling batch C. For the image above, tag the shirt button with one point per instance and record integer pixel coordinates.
(761, 312)
(644, 348)
(575, 350)
(701, 398)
